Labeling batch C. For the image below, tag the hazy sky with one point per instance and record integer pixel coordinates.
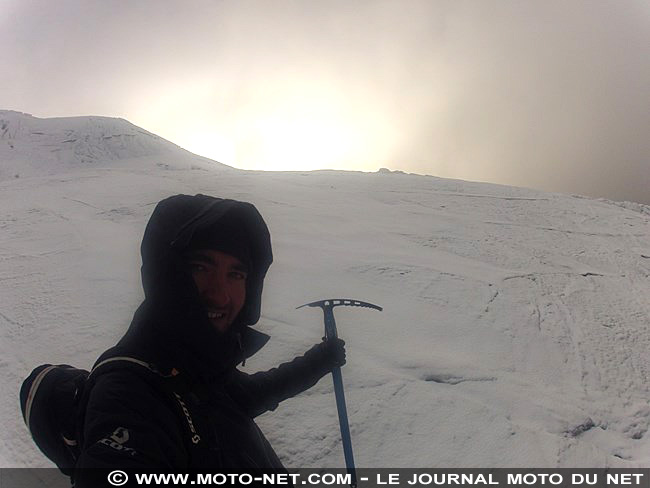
(541, 93)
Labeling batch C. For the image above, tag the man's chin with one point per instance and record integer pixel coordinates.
(221, 325)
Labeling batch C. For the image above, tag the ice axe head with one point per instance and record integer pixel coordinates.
(328, 310)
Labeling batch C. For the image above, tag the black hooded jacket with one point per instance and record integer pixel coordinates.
(184, 404)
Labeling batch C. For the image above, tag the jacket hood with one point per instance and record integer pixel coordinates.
(174, 222)
(171, 327)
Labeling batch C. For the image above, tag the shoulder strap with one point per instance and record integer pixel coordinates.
(193, 427)
(128, 360)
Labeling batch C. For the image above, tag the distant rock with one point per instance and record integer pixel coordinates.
(388, 171)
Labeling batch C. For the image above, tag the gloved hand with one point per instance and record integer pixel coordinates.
(333, 351)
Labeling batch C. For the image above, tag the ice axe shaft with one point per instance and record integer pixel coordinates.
(331, 333)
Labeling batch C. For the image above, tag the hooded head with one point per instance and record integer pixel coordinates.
(173, 320)
(182, 222)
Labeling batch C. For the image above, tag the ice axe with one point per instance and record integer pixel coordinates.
(330, 333)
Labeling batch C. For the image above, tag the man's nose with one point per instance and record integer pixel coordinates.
(217, 291)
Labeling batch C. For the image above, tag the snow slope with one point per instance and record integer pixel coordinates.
(515, 328)
(31, 146)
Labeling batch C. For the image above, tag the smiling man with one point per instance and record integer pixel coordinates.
(220, 280)
(169, 395)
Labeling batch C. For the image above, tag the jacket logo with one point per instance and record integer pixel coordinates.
(195, 436)
(121, 435)
(117, 440)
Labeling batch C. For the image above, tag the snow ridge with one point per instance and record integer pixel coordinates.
(30, 146)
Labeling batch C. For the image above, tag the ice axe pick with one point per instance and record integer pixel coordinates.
(330, 333)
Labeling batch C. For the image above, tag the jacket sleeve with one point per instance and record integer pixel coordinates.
(128, 424)
(263, 391)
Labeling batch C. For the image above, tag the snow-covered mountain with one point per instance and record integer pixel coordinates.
(515, 329)
(33, 146)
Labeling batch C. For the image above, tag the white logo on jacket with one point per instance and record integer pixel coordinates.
(121, 435)
(196, 438)
(117, 440)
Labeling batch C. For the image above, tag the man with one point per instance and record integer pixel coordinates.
(168, 396)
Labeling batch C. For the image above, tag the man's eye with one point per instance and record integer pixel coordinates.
(237, 275)
(197, 267)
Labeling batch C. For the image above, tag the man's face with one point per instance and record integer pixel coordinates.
(221, 282)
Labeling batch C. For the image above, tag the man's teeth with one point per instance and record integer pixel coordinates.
(216, 315)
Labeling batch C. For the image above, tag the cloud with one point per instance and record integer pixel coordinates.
(547, 94)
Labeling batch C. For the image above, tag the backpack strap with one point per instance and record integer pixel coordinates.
(196, 432)
(128, 360)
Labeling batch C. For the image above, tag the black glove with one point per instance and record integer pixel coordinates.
(333, 351)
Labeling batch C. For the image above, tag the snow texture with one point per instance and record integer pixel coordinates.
(515, 329)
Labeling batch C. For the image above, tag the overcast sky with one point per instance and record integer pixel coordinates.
(541, 93)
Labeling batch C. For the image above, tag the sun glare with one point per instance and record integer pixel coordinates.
(210, 144)
(294, 131)
(278, 127)
(307, 136)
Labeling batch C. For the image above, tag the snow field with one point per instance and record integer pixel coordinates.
(515, 325)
